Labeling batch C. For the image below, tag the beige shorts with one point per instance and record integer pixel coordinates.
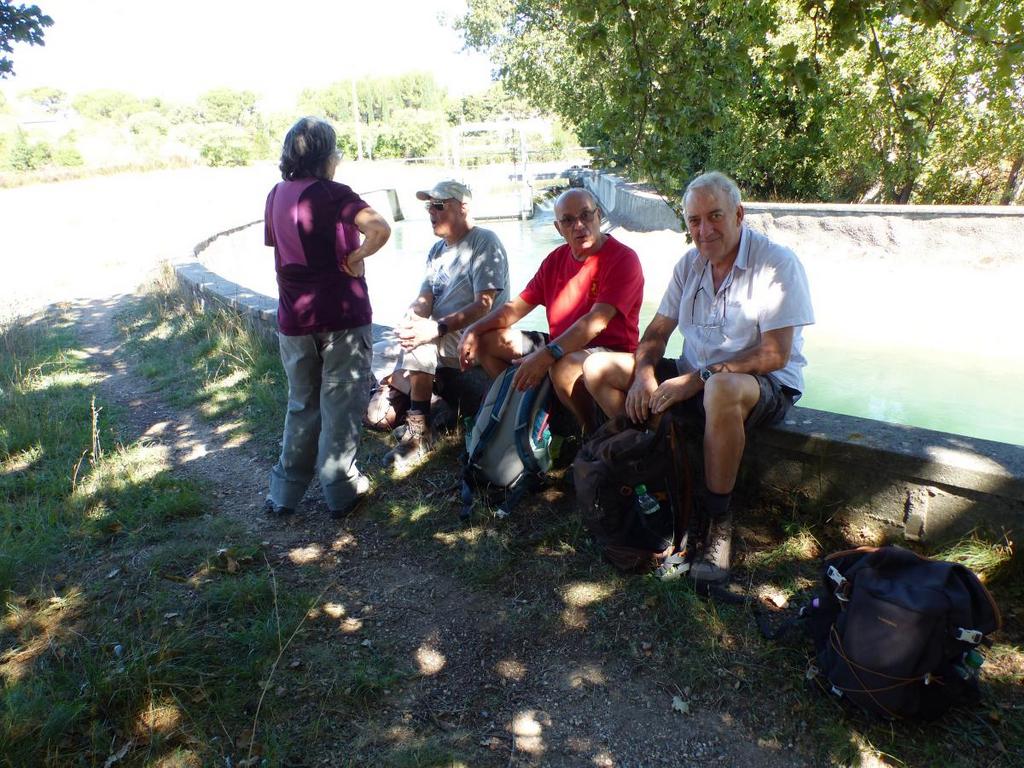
(427, 358)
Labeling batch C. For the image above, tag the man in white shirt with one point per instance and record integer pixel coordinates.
(740, 302)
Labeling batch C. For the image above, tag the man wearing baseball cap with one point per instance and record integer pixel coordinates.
(466, 274)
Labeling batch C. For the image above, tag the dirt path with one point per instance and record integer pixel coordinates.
(488, 680)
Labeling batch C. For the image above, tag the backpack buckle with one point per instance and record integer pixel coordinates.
(972, 636)
(841, 582)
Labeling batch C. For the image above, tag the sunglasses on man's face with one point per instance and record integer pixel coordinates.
(586, 216)
(436, 205)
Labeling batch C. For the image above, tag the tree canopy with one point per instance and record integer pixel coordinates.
(107, 104)
(19, 24)
(224, 105)
(893, 100)
(52, 100)
(403, 116)
(378, 97)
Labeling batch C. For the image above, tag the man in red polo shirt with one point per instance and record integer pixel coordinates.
(592, 288)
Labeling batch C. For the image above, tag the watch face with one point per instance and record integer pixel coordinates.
(705, 374)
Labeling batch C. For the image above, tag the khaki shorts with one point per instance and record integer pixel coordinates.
(427, 358)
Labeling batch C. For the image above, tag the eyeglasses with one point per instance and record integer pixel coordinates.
(436, 205)
(713, 320)
(586, 216)
(710, 332)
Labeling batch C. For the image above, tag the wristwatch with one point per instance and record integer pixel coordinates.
(556, 351)
(706, 373)
(442, 329)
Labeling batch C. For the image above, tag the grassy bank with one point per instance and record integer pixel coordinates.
(134, 623)
(143, 621)
(215, 362)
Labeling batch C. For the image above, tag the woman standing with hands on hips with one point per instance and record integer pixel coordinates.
(323, 318)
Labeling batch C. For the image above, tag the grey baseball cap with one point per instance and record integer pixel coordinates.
(447, 190)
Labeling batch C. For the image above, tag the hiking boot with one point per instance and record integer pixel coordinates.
(276, 510)
(564, 449)
(362, 491)
(442, 417)
(416, 442)
(712, 564)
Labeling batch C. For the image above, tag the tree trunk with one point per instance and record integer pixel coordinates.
(908, 173)
(1011, 181)
(902, 197)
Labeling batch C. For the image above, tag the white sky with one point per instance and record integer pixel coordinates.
(181, 48)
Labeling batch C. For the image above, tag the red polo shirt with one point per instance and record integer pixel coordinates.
(569, 289)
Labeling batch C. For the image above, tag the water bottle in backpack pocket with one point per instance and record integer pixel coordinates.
(636, 529)
(649, 522)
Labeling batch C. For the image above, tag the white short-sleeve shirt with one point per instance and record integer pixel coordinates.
(766, 290)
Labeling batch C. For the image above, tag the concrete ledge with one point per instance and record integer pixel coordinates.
(205, 286)
(908, 481)
(916, 482)
(383, 200)
(629, 206)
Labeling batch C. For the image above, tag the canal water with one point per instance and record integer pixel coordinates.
(895, 343)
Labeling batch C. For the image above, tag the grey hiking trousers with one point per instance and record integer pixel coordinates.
(328, 391)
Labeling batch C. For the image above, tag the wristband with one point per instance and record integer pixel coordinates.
(556, 351)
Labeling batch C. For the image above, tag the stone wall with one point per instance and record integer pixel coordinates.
(992, 233)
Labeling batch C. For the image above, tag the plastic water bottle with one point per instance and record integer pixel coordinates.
(970, 664)
(655, 522)
(554, 445)
(646, 503)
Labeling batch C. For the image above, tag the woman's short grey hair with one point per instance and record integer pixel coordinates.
(308, 148)
(718, 182)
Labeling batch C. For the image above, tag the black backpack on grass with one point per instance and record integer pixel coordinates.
(898, 634)
(608, 468)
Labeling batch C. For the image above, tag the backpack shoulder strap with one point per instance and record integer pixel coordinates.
(538, 396)
(497, 410)
(680, 484)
